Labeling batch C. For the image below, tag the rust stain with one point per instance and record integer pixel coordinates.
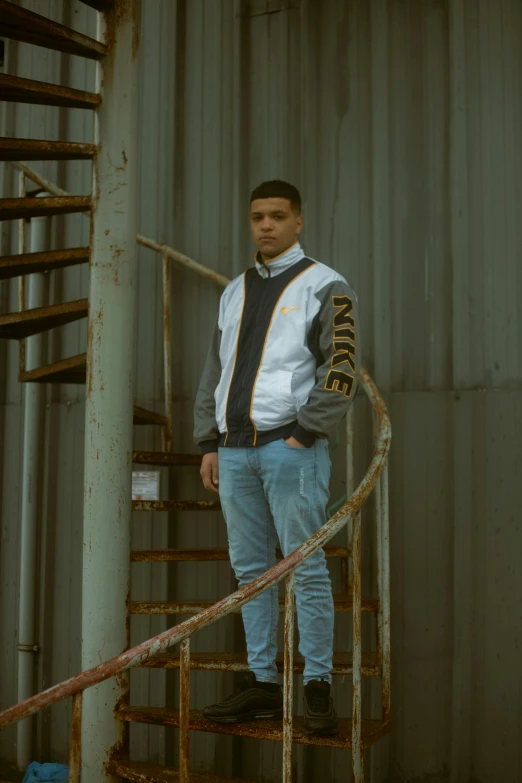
(145, 772)
(120, 749)
(263, 729)
(136, 30)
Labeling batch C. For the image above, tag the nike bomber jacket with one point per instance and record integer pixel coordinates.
(284, 358)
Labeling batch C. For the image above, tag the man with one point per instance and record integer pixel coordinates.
(279, 377)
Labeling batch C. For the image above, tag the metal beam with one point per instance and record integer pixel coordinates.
(110, 387)
(33, 418)
(14, 88)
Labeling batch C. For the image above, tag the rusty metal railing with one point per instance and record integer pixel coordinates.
(376, 478)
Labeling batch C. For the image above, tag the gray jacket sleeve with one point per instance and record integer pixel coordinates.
(334, 339)
(206, 432)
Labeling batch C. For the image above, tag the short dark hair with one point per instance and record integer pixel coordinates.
(277, 188)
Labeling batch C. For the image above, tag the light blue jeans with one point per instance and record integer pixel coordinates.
(276, 489)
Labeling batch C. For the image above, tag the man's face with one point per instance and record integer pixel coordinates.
(274, 225)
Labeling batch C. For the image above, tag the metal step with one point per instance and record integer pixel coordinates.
(48, 261)
(342, 603)
(171, 506)
(16, 326)
(237, 662)
(36, 149)
(372, 730)
(142, 772)
(17, 90)
(165, 458)
(72, 370)
(143, 416)
(99, 5)
(25, 208)
(22, 25)
(200, 555)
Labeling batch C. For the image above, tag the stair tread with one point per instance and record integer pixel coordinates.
(27, 263)
(144, 416)
(16, 326)
(207, 554)
(342, 603)
(70, 370)
(142, 772)
(18, 90)
(25, 208)
(237, 662)
(74, 370)
(170, 506)
(36, 149)
(165, 458)
(372, 730)
(19, 24)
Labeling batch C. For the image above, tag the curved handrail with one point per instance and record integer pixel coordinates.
(166, 639)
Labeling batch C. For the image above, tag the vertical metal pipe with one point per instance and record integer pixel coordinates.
(21, 280)
(384, 598)
(288, 682)
(184, 711)
(357, 748)
(167, 351)
(33, 419)
(378, 562)
(75, 747)
(110, 386)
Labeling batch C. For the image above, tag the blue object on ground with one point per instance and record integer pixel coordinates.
(52, 773)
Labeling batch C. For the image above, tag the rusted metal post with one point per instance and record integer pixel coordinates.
(384, 596)
(75, 746)
(377, 495)
(184, 711)
(110, 385)
(21, 280)
(288, 683)
(30, 505)
(167, 351)
(350, 486)
(357, 749)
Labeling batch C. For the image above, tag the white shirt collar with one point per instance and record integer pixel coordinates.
(281, 262)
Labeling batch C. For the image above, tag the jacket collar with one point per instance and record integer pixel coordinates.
(281, 262)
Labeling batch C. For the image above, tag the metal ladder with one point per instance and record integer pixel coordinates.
(356, 733)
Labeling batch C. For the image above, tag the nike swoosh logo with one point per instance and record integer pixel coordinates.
(286, 310)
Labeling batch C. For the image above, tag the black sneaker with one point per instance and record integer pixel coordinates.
(252, 700)
(319, 713)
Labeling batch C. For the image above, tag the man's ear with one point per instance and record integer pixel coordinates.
(300, 224)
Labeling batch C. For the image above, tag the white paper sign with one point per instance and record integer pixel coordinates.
(145, 485)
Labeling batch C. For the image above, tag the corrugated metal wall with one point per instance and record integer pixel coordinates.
(401, 123)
